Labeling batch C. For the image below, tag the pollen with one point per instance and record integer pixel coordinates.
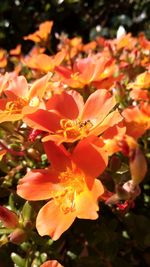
(72, 184)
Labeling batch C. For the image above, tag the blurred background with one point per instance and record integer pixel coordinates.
(87, 18)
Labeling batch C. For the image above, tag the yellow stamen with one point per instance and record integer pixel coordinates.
(71, 185)
(74, 128)
(15, 107)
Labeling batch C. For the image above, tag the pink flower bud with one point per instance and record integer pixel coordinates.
(8, 218)
(115, 163)
(138, 166)
(17, 236)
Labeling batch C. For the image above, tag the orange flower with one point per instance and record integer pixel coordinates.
(43, 62)
(89, 46)
(69, 183)
(144, 42)
(88, 70)
(41, 34)
(137, 119)
(126, 42)
(71, 46)
(52, 263)
(142, 81)
(140, 87)
(19, 99)
(79, 120)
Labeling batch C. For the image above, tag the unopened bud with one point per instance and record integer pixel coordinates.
(138, 166)
(18, 236)
(27, 211)
(115, 163)
(132, 189)
(8, 218)
(122, 193)
(34, 154)
(19, 261)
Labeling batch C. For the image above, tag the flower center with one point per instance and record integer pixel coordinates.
(74, 128)
(75, 76)
(71, 185)
(15, 107)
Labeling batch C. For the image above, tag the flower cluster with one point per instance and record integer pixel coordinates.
(69, 117)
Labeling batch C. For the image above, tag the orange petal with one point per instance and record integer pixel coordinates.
(52, 221)
(86, 202)
(38, 184)
(98, 105)
(112, 119)
(135, 129)
(41, 34)
(39, 87)
(86, 67)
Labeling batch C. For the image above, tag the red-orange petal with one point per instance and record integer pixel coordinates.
(57, 155)
(38, 184)
(43, 120)
(51, 263)
(64, 104)
(90, 157)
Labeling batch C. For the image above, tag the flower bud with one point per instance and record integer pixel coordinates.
(27, 211)
(132, 189)
(2, 153)
(19, 261)
(34, 154)
(115, 163)
(8, 218)
(18, 236)
(138, 166)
